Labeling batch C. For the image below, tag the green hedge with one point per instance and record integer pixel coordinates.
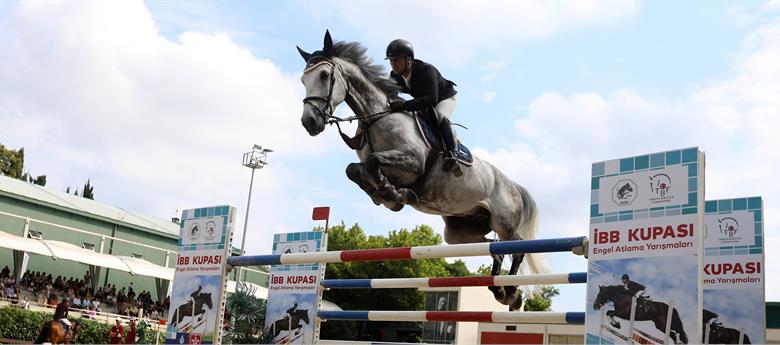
(22, 324)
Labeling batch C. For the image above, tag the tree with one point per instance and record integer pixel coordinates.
(12, 165)
(87, 191)
(246, 316)
(11, 162)
(541, 300)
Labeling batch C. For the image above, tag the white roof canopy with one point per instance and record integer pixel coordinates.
(66, 251)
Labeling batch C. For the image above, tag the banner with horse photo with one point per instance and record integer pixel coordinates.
(200, 277)
(734, 284)
(646, 216)
(293, 290)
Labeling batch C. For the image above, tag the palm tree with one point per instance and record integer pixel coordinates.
(247, 316)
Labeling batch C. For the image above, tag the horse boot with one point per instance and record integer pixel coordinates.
(450, 148)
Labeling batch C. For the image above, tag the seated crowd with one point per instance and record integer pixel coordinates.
(82, 295)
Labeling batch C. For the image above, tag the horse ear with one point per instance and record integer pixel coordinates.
(328, 44)
(304, 54)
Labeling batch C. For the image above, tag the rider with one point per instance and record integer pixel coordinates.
(635, 289)
(429, 90)
(290, 311)
(195, 294)
(61, 314)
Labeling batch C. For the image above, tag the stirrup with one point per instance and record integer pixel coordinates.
(451, 164)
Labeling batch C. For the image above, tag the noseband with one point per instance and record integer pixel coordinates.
(326, 112)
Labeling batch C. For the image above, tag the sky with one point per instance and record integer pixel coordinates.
(155, 102)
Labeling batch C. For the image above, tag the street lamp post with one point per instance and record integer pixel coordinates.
(255, 159)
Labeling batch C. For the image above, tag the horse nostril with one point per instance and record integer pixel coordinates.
(307, 122)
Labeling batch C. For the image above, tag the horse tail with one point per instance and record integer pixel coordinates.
(532, 263)
(44, 334)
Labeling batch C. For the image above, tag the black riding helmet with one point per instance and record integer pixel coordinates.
(624, 277)
(399, 47)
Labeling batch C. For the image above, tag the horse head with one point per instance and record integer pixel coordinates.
(602, 298)
(205, 298)
(303, 314)
(326, 87)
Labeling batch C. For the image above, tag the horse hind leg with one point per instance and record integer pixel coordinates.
(514, 295)
(473, 230)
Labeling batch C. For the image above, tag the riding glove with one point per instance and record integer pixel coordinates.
(397, 105)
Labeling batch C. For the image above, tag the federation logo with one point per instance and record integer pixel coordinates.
(660, 184)
(624, 192)
(728, 227)
(211, 228)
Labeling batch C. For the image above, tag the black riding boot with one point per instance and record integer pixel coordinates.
(450, 148)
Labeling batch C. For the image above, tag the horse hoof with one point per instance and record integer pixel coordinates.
(410, 196)
(615, 324)
(499, 294)
(517, 304)
(395, 207)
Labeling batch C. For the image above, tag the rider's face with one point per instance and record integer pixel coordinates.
(399, 64)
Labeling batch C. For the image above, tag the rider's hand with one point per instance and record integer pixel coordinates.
(397, 105)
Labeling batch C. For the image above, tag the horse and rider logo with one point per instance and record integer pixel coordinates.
(660, 184)
(624, 192)
(194, 232)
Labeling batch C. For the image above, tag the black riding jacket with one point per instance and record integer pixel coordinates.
(634, 287)
(427, 86)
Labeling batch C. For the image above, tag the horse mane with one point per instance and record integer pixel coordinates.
(355, 53)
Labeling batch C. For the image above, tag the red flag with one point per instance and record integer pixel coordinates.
(320, 213)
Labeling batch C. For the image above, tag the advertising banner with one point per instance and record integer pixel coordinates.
(645, 252)
(733, 273)
(200, 278)
(293, 297)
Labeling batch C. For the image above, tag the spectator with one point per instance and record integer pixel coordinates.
(130, 338)
(86, 302)
(42, 296)
(10, 292)
(52, 300)
(130, 292)
(116, 333)
(76, 302)
(5, 272)
(24, 304)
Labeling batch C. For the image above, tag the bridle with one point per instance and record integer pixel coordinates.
(326, 112)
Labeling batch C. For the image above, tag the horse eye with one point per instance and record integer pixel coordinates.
(324, 75)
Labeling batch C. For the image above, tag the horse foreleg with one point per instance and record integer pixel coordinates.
(399, 160)
(612, 321)
(358, 173)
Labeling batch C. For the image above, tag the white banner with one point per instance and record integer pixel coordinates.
(644, 189)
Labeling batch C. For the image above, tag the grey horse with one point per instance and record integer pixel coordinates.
(397, 168)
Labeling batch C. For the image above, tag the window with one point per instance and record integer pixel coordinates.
(137, 256)
(35, 234)
(88, 246)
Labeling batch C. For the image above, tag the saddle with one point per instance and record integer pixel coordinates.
(429, 129)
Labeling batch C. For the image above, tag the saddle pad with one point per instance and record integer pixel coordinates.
(430, 133)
